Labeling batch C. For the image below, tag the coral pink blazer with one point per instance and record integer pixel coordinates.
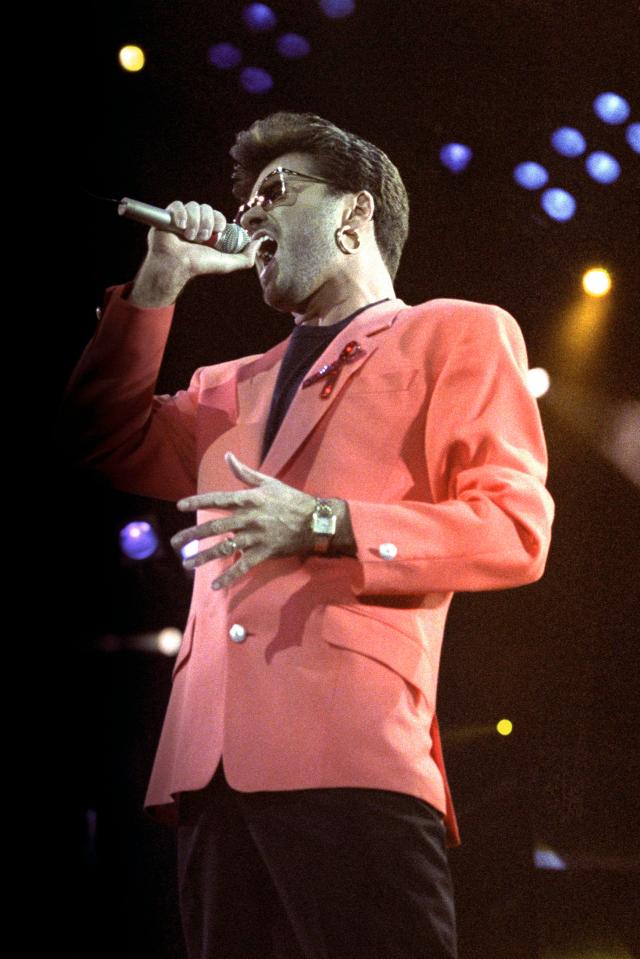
(312, 671)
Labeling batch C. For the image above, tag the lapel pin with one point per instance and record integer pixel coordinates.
(331, 371)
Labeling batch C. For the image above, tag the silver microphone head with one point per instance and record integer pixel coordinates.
(233, 239)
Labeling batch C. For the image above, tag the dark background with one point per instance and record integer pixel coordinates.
(558, 657)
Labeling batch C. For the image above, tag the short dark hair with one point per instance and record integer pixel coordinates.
(346, 160)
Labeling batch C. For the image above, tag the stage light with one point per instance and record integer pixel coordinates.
(504, 727)
(224, 56)
(530, 175)
(568, 142)
(602, 167)
(259, 17)
(131, 58)
(558, 204)
(337, 8)
(138, 540)
(632, 136)
(168, 641)
(611, 108)
(455, 156)
(538, 382)
(596, 282)
(293, 46)
(256, 80)
(546, 858)
(190, 549)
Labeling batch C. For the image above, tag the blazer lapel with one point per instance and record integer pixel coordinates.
(307, 407)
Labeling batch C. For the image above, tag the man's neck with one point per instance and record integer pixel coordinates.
(319, 312)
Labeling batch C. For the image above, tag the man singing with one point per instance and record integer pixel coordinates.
(346, 483)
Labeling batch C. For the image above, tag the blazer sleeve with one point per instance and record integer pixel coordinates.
(488, 524)
(111, 421)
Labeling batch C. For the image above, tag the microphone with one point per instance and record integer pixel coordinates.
(233, 238)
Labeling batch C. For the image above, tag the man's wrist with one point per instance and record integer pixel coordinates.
(342, 542)
(156, 287)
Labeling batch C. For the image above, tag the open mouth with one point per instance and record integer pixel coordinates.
(266, 253)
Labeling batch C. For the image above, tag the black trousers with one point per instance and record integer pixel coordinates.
(313, 874)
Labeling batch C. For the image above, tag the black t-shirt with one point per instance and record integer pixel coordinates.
(307, 343)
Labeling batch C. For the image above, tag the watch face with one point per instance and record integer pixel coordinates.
(323, 524)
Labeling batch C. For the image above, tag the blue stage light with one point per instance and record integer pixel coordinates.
(337, 8)
(455, 156)
(259, 17)
(568, 142)
(530, 175)
(602, 167)
(546, 858)
(256, 80)
(293, 46)
(558, 204)
(632, 135)
(138, 540)
(611, 108)
(224, 56)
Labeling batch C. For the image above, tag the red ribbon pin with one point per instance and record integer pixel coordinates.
(331, 371)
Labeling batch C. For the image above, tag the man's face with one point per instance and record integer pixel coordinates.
(303, 225)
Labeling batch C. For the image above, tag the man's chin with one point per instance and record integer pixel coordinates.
(279, 299)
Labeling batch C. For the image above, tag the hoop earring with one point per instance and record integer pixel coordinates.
(340, 242)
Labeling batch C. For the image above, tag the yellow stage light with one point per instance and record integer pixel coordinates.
(131, 58)
(596, 282)
(504, 727)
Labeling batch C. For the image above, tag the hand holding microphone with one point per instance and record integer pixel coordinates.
(210, 227)
(186, 240)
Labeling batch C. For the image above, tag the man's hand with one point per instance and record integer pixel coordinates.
(172, 260)
(269, 519)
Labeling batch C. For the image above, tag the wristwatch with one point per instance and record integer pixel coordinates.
(323, 525)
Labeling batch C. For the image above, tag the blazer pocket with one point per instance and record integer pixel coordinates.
(379, 639)
(384, 381)
(185, 645)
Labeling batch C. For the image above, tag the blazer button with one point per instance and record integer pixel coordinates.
(237, 633)
(388, 550)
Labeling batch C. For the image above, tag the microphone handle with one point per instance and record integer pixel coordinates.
(233, 238)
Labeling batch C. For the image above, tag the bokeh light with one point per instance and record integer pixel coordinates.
(546, 858)
(224, 56)
(530, 175)
(504, 727)
(611, 108)
(138, 540)
(538, 382)
(131, 58)
(168, 641)
(632, 136)
(568, 142)
(256, 80)
(293, 46)
(337, 8)
(189, 549)
(259, 17)
(602, 167)
(558, 204)
(596, 281)
(456, 156)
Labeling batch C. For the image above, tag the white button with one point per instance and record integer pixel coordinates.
(388, 550)
(237, 633)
